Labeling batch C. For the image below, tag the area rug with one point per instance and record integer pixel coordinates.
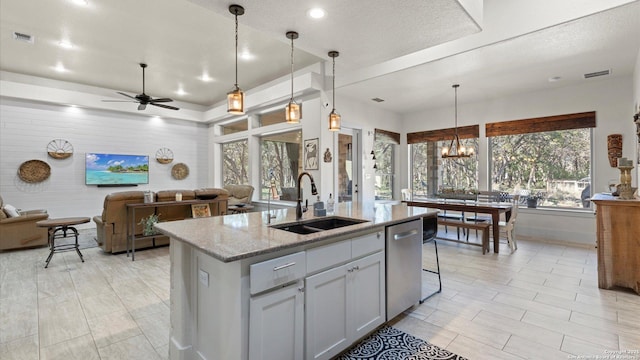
(389, 343)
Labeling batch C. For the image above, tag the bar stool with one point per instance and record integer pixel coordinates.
(429, 232)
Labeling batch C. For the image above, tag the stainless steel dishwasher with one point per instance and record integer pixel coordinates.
(404, 266)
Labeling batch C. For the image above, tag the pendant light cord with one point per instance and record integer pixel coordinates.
(292, 68)
(236, 14)
(334, 84)
(456, 108)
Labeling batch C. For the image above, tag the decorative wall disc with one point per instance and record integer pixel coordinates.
(34, 171)
(164, 155)
(179, 171)
(59, 149)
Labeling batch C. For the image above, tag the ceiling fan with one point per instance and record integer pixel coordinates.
(144, 99)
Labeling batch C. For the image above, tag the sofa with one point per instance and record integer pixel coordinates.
(111, 225)
(21, 231)
(239, 194)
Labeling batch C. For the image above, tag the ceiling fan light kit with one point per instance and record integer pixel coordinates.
(235, 97)
(456, 150)
(293, 111)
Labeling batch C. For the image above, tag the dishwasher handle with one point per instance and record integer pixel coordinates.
(405, 234)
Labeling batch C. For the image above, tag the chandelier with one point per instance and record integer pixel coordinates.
(458, 150)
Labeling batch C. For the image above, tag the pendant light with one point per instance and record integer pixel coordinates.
(293, 111)
(457, 150)
(235, 98)
(334, 117)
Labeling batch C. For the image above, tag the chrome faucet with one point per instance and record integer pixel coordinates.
(314, 191)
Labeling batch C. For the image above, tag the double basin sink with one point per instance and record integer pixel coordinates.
(317, 225)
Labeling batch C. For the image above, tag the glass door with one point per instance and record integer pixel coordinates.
(348, 165)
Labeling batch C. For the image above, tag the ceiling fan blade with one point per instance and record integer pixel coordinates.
(127, 95)
(165, 106)
(162, 100)
(142, 106)
(119, 101)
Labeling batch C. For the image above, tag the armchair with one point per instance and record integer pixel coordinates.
(239, 194)
(21, 231)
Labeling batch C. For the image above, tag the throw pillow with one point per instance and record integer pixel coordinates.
(11, 211)
(3, 215)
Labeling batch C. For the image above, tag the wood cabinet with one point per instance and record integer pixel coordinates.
(618, 239)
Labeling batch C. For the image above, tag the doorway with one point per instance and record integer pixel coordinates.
(348, 165)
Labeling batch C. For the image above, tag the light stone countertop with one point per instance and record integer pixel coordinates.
(234, 237)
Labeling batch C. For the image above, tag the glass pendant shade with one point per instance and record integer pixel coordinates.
(235, 101)
(334, 117)
(334, 121)
(235, 98)
(293, 112)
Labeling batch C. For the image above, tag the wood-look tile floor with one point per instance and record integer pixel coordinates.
(540, 302)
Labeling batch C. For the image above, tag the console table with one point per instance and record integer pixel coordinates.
(618, 239)
(214, 205)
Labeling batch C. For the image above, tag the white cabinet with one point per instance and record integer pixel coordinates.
(343, 304)
(276, 325)
(276, 310)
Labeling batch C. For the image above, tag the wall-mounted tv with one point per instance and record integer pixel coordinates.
(116, 169)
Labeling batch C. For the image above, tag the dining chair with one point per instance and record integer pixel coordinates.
(509, 226)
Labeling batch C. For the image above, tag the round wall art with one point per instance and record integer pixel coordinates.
(180, 171)
(34, 171)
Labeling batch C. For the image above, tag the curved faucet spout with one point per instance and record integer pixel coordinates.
(314, 191)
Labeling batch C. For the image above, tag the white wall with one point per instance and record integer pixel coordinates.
(26, 128)
(611, 99)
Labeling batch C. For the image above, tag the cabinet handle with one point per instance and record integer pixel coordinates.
(301, 289)
(356, 268)
(405, 234)
(379, 234)
(284, 266)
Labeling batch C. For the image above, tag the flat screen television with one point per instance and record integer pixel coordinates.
(116, 169)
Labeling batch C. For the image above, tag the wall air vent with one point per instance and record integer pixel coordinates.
(597, 73)
(377, 100)
(23, 37)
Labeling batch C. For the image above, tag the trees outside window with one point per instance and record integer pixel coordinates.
(554, 166)
(235, 162)
(385, 165)
(281, 159)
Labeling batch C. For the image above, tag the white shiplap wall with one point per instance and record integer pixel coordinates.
(26, 128)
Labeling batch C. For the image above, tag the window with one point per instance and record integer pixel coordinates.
(270, 118)
(281, 159)
(384, 148)
(431, 174)
(235, 162)
(235, 127)
(552, 163)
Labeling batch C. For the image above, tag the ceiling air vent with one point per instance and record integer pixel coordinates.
(377, 99)
(23, 37)
(597, 73)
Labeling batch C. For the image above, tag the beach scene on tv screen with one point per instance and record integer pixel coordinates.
(107, 169)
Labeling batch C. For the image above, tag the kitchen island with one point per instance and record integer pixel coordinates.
(242, 289)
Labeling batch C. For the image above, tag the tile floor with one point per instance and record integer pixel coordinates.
(541, 302)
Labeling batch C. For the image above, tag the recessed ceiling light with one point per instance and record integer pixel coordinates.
(246, 55)
(66, 44)
(316, 13)
(555, 78)
(60, 68)
(205, 77)
(181, 92)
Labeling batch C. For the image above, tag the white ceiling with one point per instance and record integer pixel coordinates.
(407, 53)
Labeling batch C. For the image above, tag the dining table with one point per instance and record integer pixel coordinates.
(469, 206)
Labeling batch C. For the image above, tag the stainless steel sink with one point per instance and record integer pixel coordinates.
(317, 225)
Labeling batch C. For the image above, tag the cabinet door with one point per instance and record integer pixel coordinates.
(276, 324)
(367, 290)
(326, 313)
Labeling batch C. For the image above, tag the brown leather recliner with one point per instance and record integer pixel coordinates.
(111, 226)
(21, 231)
